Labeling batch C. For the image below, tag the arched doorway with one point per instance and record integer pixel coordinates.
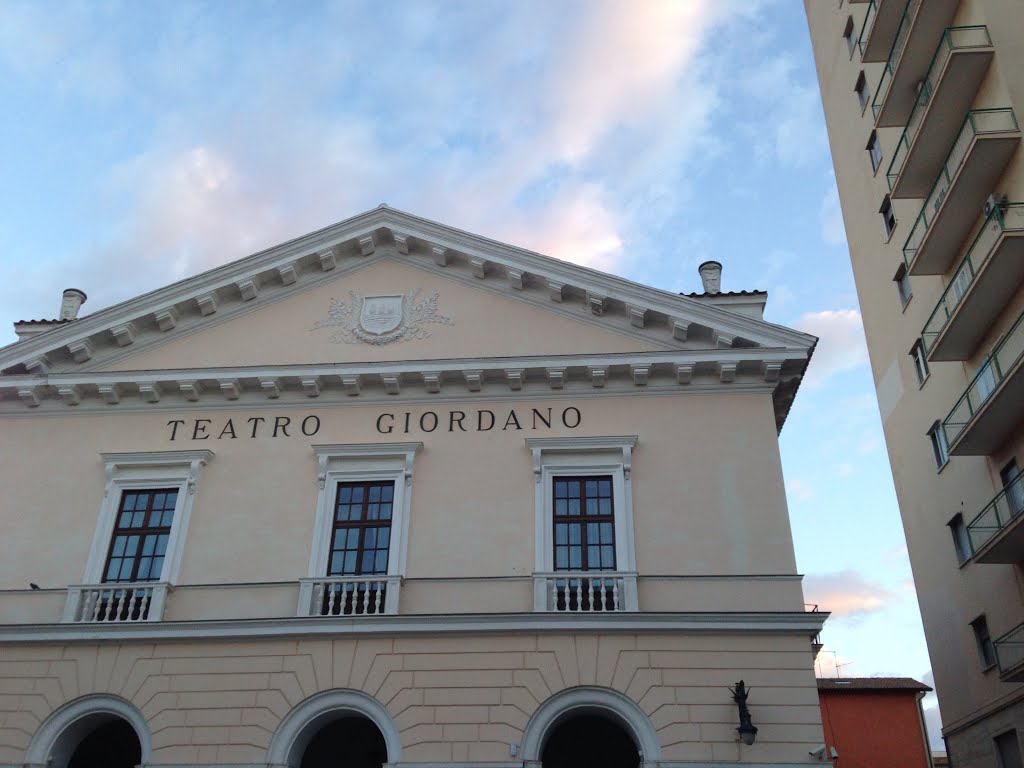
(352, 741)
(589, 739)
(94, 731)
(111, 744)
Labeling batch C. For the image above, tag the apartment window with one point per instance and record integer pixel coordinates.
(874, 148)
(888, 216)
(902, 280)
(917, 354)
(850, 36)
(985, 381)
(986, 651)
(1008, 748)
(863, 93)
(961, 540)
(1013, 484)
(584, 523)
(360, 535)
(940, 449)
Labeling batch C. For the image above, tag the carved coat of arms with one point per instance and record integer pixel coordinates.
(382, 319)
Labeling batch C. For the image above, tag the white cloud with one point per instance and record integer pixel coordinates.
(846, 594)
(800, 489)
(833, 231)
(841, 346)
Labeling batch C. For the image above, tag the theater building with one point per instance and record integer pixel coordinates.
(395, 494)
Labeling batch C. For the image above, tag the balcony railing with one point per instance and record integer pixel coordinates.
(885, 81)
(1010, 654)
(953, 39)
(1001, 220)
(867, 27)
(349, 596)
(143, 601)
(999, 513)
(584, 592)
(977, 122)
(1003, 360)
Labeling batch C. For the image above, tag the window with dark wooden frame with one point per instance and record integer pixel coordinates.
(138, 546)
(141, 532)
(360, 541)
(584, 539)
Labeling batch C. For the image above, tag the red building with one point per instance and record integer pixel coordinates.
(874, 722)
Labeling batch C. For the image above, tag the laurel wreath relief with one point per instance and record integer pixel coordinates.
(345, 316)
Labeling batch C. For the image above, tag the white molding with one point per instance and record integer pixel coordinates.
(555, 456)
(802, 624)
(305, 719)
(56, 739)
(145, 469)
(586, 700)
(353, 462)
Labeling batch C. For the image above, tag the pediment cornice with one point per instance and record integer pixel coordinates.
(740, 370)
(233, 289)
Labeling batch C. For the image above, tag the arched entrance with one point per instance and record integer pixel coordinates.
(95, 731)
(112, 744)
(338, 727)
(587, 740)
(352, 741)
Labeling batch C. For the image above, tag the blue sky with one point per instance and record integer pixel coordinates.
(146, 142)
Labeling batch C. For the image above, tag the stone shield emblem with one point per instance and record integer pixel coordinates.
(381, 314)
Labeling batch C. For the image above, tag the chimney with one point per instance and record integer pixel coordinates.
(711, 276)
(70, 302)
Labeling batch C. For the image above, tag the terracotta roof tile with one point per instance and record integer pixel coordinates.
(696, 295)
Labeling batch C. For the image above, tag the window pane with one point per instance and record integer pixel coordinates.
(561, 489)
(594, 557)
(118, 549)
(574, 533)
(357, 494)
(591, 487)
(592, 533)
(367, 564)
(606, 487)
(606, 533)
(138, 517)
(382, 561)
(389, 492)
(561, 558)
(370, 542)
(591, 506)
(144, 566)
(344, 494)
(350, 562)
(161, 543)
(159, 500)
(148, 544)
(112, 569)
(385, 511)
(131, 545)
(607, 557)
(374, 493)
(128, 502)
(561, 507)
(384, 537)
(353, 539)
(575, 557)
(373, 512)
(574, 506)
(142, 501)
(574, 488)
(343, 511)
(561, 534)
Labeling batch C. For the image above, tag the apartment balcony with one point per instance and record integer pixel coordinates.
(910, 60)
(1010, 655)
(349, 596)
(985, 280)
(997, 532)
(979, 156)
(115, 603)
(877, 33)
(584, 592)
(946, 93)
(990, 410)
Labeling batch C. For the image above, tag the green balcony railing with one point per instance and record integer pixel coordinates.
(1010, 649)
(867, 26)
(977, 121)
(1009, 218)
(997, 514)
(902, 33)
(1002, 361)
(953, 39)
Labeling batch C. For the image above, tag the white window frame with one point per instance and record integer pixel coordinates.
(920, 362)
(352, 463)
(139, 471)
(940, 449)
(557, 456)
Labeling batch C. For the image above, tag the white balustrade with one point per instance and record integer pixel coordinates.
(115, 603)
(349, 596)
(584, 592)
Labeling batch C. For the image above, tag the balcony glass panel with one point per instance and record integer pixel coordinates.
(977, 121)
(867, 26)
(953, 39)
(1010, 650)
(1000, 512)
(999, 221)
(894, 56)
(1002, 361)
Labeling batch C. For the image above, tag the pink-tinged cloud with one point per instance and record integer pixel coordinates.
(841, 346)
(846, 594)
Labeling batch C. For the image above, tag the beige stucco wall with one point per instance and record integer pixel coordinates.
(451, 698)
(486, 324)
(708, 494)
(950, 596)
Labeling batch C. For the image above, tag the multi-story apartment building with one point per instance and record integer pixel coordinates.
(923, 101)
(392, 493)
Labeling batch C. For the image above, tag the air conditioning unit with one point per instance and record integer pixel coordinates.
(994, 201)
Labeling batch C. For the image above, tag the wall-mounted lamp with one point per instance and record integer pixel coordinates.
(747, 730)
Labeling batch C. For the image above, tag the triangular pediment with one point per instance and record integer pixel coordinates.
(304, 303)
